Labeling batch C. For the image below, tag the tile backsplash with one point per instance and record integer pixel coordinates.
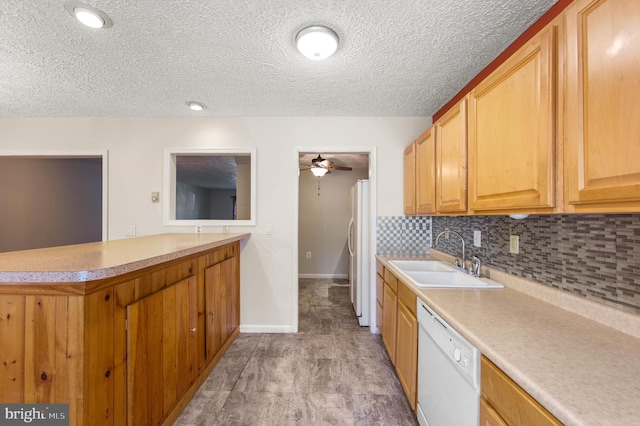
(594, 256)
(403, 234)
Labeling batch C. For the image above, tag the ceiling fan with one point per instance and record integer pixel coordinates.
(321, 166)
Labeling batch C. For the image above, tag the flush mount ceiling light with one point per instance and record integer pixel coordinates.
(88, 15)
(196, 106)
(317, 42)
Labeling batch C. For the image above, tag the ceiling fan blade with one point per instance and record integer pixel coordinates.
(340, 168)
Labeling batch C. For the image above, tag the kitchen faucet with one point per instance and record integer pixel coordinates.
(464, 259)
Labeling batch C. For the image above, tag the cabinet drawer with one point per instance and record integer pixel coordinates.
(391, 280)
(379, 268)
(513, 404)
(407, 297)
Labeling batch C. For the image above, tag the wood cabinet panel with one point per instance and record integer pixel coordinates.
(407, 352)
(158, 341)
(488, 416)
(510, 401)
(410, 179)
(12, 340)
(511, 131)
(602, 169)
(426, 172)
(389, 314)
(451, 160)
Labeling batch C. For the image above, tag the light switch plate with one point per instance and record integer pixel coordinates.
(477, 238)
(514, 244)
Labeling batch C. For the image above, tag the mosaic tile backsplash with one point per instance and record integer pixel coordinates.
(594, 256)
(403, 234)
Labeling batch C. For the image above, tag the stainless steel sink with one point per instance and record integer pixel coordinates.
(421, 265)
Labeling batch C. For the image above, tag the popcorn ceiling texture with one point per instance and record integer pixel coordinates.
(396, 58)
(594, 256)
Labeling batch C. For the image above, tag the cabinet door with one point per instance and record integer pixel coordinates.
(222, 295)
(410, 179)
(426, 173)
(407, 352)
(602, 165)
(511, 131)
(451, 160)
(488, 416)
(160, 336)
(389, 312)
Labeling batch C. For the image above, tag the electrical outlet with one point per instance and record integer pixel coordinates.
(514, 244)
(129, 230)
(308, 255)
(477, 238)
(446, 233)
(198, 229)
(269, 229)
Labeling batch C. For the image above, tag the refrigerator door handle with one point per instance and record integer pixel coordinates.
(349, 236)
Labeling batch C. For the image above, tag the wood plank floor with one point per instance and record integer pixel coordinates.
(332, 372)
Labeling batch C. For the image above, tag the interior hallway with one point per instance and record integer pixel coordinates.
(332, 372)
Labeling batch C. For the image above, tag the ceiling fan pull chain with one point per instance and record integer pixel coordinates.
(318, 186)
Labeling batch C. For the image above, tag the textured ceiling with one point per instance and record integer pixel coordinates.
(396, 57)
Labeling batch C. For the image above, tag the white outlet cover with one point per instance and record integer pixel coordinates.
(514, 244)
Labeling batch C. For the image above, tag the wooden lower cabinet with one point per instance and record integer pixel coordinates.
(407, 352)
(389, 319)
(128, 350)
(400, 332)
(503, 402)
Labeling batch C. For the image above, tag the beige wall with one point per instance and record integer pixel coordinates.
(270, 266)
(323, 221)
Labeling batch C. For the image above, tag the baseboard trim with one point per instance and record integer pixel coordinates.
(252, 328)
(339, 276)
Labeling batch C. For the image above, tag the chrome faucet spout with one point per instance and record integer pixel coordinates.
(447, 231)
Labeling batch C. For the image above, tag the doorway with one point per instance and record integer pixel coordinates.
(324, 211)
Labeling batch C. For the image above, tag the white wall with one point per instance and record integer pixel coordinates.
(323, 222)
(136, 147)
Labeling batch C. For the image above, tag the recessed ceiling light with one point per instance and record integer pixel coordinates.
(88, 15)
(317, 42)
(196, 106)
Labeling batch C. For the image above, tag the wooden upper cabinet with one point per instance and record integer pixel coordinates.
(451, 160)
(511, 131)
(410, 179)
(426, 172)
(602, 111)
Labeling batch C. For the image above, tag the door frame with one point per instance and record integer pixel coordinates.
(62, 154)
(371, 151)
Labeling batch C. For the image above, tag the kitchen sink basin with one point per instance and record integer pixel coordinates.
(454, 279)
(421, 265)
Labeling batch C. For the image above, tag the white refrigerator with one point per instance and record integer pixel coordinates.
(359, 245)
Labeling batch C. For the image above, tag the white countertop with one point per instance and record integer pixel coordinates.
(582, 371)
(93, 261)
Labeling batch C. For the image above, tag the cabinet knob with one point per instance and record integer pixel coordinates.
(193, 330)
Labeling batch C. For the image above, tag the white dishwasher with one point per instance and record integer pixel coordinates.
(448, 374)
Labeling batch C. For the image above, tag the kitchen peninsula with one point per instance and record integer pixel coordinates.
(124, 331)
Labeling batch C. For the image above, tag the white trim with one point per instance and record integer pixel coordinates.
(169, 188)
(103, 153)
(295, 158)
(329, 276)
(249, 328)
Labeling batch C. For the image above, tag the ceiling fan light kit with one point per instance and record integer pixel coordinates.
(318, 171)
